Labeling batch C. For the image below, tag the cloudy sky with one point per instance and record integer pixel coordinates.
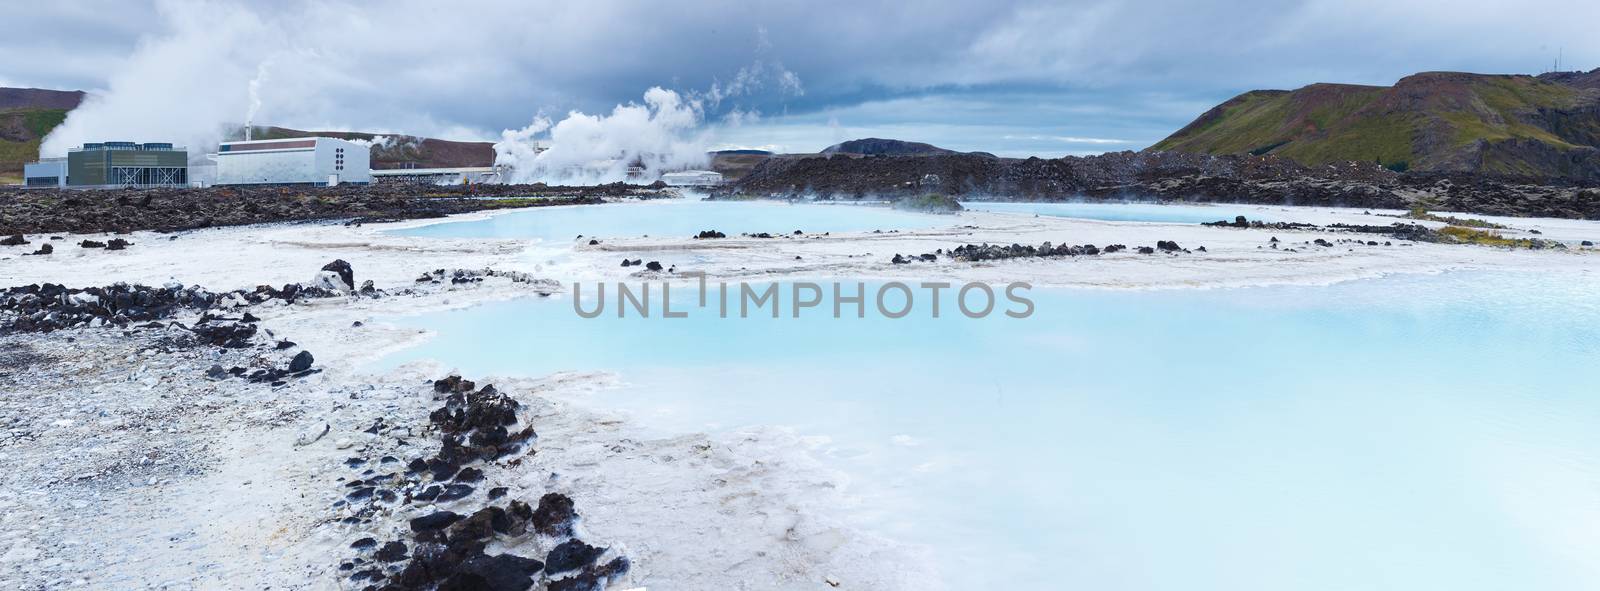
(1010, 77)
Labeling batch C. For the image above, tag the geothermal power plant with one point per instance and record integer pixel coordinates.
(300, 161)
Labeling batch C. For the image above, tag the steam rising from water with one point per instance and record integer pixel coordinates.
(655, 137)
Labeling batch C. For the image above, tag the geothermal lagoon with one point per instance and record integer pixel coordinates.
(1287, 408)
(686, 217)
(677, 218)
(1425, 431)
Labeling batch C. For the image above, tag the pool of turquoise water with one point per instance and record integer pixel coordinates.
(1409, 432)
(678, 218)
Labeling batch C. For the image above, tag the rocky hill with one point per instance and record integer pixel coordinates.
(882, 147)
(38, 98)
(26, 116)
(1509, 125)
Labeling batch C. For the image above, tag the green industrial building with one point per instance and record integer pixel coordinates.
(127, 164)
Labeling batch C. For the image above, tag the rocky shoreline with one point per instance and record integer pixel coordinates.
(1163, 176)
(53, 211)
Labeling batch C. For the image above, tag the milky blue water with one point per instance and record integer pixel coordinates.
(678, 218)
(1127, 212)
(1411, 432)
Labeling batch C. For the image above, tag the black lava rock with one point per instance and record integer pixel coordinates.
(455, 491)
(593, 578)
(301, 362)
(343, 269)
(555, 515)
(390, 552)
(434, 521)
(571, 555)
(498, 572)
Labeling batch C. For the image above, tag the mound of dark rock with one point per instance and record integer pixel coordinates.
(992, 252)
(48, 307)
(474, 426)
(447, 550)
(229, 335)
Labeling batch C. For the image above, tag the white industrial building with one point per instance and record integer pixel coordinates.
(294, 161)
(692, 178)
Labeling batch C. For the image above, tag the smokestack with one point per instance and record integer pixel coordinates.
(247, 126)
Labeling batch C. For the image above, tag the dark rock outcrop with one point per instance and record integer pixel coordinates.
(1168, 177)
(35, 211)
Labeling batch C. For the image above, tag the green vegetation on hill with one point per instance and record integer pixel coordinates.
(21, 130)
(1437, 121)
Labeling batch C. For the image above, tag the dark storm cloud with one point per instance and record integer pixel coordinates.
(1008, 76)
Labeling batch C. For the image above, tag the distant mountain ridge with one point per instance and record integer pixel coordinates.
(1516, 125)
(885, 147)
(39, 98)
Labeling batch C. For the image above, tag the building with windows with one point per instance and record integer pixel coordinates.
(125, 164)
(47, 172)
(294, 161)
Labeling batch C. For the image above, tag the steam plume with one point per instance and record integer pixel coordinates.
(657, 136)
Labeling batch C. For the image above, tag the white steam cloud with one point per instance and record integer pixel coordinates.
(650, 139)
(177, 88)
